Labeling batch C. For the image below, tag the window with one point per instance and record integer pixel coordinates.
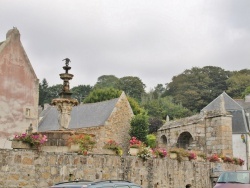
(27, 113)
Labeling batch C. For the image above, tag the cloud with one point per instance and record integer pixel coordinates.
(154, 40)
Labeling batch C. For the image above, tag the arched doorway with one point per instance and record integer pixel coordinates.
(184, 140)
(164, 140)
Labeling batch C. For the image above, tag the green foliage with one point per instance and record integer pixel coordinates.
(162, 107)
(43, 93)
(238, 82)
(195, 88)
(154, 124)
(46, 93)
(135, 106)
(139, 127)
(132, 86)
(98, 95)
(80, 92)
(151, 140)
(107, 81)
(246, 92)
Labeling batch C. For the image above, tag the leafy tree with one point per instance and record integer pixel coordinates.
(154, 124)
(139, 127)
(132, 86)
(98, 95)
(246, 92)
(107, 81)
(238, 82)
(135, 106)
(162, 107)
(43, 92)
(195, 88)
(54, 92)
(81, 91)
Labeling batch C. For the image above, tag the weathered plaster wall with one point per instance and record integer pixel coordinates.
(29, 169)
(19, 89)
(239, 148)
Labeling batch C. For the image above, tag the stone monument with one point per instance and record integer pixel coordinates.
(65, 103)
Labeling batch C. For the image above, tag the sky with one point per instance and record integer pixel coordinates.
(153, 40)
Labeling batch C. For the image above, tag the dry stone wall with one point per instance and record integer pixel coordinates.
(29, 169)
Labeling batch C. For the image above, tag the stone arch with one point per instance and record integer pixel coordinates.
(184, 140)
(164, 140)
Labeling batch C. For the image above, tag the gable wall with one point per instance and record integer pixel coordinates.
(19, 89)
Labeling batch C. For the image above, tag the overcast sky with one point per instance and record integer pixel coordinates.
(151, 39)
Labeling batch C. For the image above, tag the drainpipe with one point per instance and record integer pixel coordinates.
(247, 151)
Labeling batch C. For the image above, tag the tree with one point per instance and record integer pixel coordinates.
(161, 107)
(195, 88)
(43, 92)
(154, 124)
(246, 92)
(107, 81)
(139, 127)
(81, 91)
(132, 86)
(54, 92)
(98, 95)
(238, 82)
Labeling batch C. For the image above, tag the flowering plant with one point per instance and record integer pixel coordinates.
(160, 152)
(85, 142)
(145, 153)
(213, 158)
(180, 152)
(192, 155)
(238, 161)
(227, 159)
(135, 143)
(113, 145)
(36, 140)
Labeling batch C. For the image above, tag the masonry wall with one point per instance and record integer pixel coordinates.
(29, 169)
(18, 89)
(116, 127)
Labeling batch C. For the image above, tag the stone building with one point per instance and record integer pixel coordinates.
(105, 120)
(222, 127)
(19, 89)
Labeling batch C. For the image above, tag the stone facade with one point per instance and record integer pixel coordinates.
(18, 89)
(29, 169)
(209, 133)
(116, 127)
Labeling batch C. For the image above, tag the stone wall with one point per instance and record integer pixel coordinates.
(29, 169)
(210, 133)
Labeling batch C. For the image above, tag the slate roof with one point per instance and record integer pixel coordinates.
(82, 116)
(240, 123)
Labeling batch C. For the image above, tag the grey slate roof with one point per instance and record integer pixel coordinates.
(239, 122)
(82, 116)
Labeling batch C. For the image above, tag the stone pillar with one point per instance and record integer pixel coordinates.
(65, 103)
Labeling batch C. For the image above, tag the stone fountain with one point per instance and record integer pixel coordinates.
(65, 103)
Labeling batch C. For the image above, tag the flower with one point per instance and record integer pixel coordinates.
(113, 145)
(238, 161)
(135, 143)
(213, 158)
(192, 155)
(227, 159)
(145, 153)
(36, 140)
(160, 152)
(85, 142)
